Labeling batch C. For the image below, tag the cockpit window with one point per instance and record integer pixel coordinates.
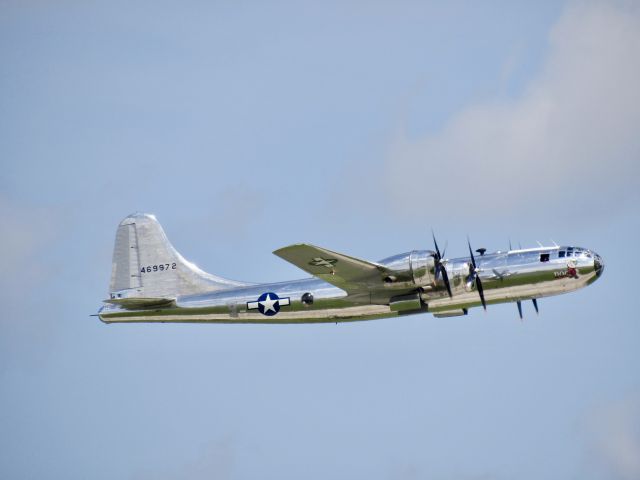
(561, 254)
(544, 257)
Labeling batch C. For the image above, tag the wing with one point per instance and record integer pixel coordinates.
(348, 273)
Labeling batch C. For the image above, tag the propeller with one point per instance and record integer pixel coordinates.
(535, 304)
(440, 269)
(475, 277)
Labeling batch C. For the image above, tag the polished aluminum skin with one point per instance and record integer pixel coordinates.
(152, 282)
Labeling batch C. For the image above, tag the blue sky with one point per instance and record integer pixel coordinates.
(358, 126)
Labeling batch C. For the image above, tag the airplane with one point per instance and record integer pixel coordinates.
(152, 282)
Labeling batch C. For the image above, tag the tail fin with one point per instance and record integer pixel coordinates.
(148, 268)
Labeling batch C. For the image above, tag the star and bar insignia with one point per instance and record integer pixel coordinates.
(323, 262)
(269, 304)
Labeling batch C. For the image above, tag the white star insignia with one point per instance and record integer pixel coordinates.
(268, 304)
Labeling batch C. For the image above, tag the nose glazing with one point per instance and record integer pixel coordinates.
(598, 264)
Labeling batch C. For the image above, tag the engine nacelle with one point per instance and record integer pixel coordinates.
(411, 268)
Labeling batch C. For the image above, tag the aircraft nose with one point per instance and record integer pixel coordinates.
(598, 264)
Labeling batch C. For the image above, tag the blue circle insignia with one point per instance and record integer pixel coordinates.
(269, 304)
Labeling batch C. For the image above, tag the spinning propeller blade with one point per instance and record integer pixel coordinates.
(440, 269)
(476, 277)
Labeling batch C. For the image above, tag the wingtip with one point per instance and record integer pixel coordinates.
(293, 245)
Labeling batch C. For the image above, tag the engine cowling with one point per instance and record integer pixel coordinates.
(422, 267)
(411, 268)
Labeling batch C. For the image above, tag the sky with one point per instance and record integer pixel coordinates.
(358, 126)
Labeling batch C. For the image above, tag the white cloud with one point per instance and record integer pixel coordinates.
(25, 233)
(571, 136)
(27, 253)
(215, 461)
(615, 439)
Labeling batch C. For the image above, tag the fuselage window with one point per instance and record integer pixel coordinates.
(561, 254)
(544, 257)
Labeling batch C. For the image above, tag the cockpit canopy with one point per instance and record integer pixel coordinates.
(574, 252)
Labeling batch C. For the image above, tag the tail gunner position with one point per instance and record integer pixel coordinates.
(152, 282)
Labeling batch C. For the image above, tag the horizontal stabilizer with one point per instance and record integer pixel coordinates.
(348, 273)
(135, 303)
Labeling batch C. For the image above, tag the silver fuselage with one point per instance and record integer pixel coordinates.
(510, 276)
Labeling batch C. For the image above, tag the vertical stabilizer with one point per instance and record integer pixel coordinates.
(145, 264)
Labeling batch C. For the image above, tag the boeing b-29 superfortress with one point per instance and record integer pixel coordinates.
(152, 282)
